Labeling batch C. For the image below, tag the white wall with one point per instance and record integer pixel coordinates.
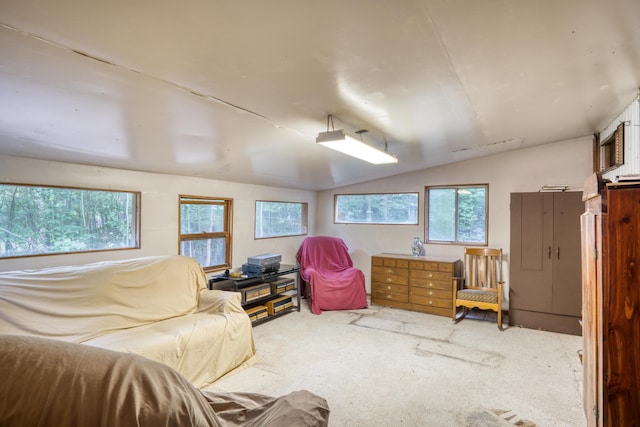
(527, 170)
(159, 219)
(631, 117)
(567, 162)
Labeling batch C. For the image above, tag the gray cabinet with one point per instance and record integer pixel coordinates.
(544, 275)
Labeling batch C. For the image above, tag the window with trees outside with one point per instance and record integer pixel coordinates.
(42, 220)
(278, 219)
(385, 208)
(457, 214)
(205, 230)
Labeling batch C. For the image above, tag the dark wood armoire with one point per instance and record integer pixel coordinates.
(611, 302)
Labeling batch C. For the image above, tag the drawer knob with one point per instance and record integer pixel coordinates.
(430, 293)
(388, 288)
(388, 296)
(389, 279)
(430, 302)
(430, 274)
(430, 285)
(389, 271)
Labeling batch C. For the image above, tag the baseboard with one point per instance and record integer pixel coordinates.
(545, 321)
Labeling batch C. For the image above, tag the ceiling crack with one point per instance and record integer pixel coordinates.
(159, 79)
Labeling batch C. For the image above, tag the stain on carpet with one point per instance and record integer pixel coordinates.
(397, 325)
(493, 418)
(432, 341)
(458, 352)
(513, 418)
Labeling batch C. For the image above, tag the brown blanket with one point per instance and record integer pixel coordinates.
(53, 383)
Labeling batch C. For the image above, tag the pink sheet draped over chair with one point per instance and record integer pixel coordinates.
(327, 267)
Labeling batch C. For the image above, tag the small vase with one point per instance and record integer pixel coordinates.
(417, 247)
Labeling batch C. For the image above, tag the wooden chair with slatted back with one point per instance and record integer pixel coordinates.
(481, 287)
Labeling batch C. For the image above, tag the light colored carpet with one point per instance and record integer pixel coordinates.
(387, 367)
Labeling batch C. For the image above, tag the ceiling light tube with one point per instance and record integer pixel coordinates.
(554, 187)
(339, 140)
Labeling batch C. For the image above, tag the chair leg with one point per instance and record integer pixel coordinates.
(500, 320)
(465, 310)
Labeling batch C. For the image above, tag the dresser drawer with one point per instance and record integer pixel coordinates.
(392, 262)
(431, 266)
(380, 297)
(389, 262)
(445, 267)
(423, 265)
(446, 285)
(431, 293)
(377, 261)
(431, 302)
(391, 288)
(390, 271)
(429, 275)
(390, 275)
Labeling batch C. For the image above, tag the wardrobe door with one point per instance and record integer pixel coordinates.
(531, 259)
(620, 305)
(566, 287)
(591, 282)
(545, 279)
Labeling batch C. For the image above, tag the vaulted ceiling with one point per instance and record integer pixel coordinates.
(238, 90)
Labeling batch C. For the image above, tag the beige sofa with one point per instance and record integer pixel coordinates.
(156, 307)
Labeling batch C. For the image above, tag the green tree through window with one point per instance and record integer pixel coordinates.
(39, 220)
(457, 214)
(386, 208)
(205, 230)
(278, 219)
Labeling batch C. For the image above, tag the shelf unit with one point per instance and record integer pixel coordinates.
(264, 296)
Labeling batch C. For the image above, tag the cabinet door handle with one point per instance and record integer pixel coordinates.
(549, 254)
(558, 252)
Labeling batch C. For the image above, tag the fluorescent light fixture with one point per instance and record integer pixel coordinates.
(339, 140)
(554, 187)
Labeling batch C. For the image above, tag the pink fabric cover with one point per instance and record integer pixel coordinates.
(325, 264)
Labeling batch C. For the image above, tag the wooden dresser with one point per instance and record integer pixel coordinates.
(414, 283)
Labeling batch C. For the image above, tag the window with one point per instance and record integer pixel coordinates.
(277, 219)
(205, 230)
(388, 208)
(457, 214)
(42, 220)
(610, 153)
